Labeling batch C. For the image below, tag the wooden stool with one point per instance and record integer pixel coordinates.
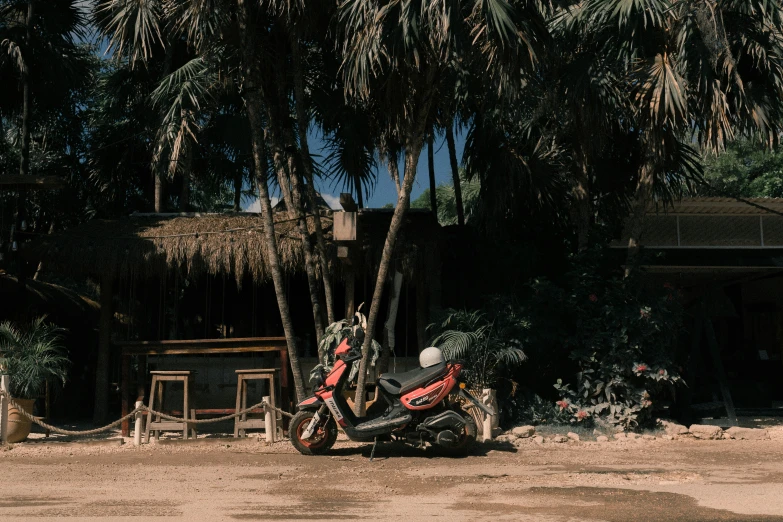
(242, 423)
(159, 424)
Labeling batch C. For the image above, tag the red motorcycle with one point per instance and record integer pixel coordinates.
(416, 407)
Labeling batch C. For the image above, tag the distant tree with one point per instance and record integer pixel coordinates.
(447, 201)
(747, 168)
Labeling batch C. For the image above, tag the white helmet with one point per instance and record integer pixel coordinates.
(430, 357)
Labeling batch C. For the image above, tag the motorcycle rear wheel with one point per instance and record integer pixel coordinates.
(467, 438)
(321, 441)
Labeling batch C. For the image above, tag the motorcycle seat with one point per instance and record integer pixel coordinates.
(400, 383)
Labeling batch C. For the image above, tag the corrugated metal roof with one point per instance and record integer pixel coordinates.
(721, 206)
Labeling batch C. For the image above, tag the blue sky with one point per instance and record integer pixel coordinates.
(384, 188)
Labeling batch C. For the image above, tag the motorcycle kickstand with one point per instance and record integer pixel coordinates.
(372, 453)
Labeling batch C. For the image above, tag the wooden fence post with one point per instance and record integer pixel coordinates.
(270, 416)
(137, 425)
(488, 397)
(4, 386)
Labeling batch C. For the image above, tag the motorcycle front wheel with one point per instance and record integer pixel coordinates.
(321, 441)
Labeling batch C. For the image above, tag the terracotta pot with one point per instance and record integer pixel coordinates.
(19, 425)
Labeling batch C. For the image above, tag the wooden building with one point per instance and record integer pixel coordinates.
(727, 258)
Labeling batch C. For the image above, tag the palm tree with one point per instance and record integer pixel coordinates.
(707, 69)
(38, 48)
(396, 52)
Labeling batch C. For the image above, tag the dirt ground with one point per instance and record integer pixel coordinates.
(246, 479)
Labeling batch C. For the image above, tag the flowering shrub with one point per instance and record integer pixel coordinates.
(621, 335)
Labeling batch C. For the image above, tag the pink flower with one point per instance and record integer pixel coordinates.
(581, 415)
(644, 314)
(563, 404)
(593, 298)
(661, 372)
(639, 368)
(646, 404)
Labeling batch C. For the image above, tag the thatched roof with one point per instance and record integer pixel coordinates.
(233, 243)
(151, 244)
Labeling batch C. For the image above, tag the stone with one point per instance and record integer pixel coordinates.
(667, 437)
(573, 436)
(705, 431)
(559, 439)
(747, 433)
(524, 432)
(619, 436)
(602, 438)
(538, 439)
(672, 428)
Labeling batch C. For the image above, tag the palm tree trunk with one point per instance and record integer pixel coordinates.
(455, 174)
(290, 181)
(24, 162)
(431, 169)
(394, 171)
(290, 187)
(255, 106)
(644, 190)
(357, 183)
(304, 147)
(237, 192)
(412, 154)
(389, 340)
(582, 198)
(160, 170)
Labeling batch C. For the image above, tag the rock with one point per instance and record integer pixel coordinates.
(573, 436)
(602, 438)
(648, 437)
(672, 428)
(747, 433)
(539, 439)
(559, 439)
(667, 437)
(619, 436)
(506, 437)
(524, 432)
(705, 431)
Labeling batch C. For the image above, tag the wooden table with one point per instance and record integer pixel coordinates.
(200, 347)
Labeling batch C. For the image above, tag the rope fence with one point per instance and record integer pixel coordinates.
(6, 400)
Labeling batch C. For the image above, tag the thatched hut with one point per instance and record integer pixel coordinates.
(205, 276)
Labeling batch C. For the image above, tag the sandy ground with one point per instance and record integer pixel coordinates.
(227, 479)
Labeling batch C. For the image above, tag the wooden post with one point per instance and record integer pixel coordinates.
(137, 424)
(125, 392)
(422, 313)
(285, 391)
(488, 397)
(269, 420)
(350, 290)
(717, 363)
(4, 386)
(101, 410)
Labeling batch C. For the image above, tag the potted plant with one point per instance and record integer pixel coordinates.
(489, 345)
(30, 355)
